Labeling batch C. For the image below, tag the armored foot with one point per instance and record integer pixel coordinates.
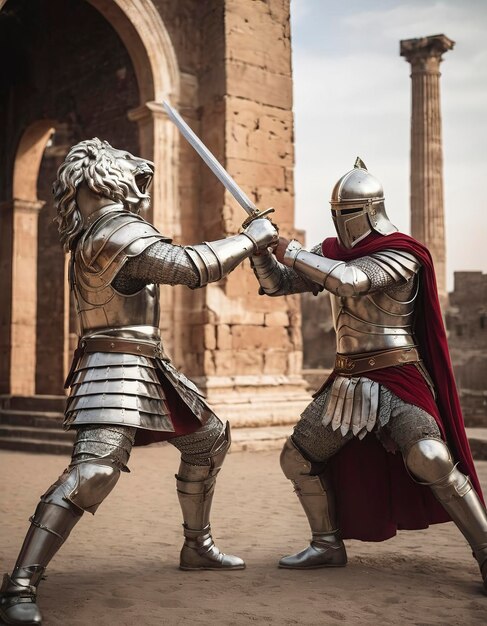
(321, 552)
(18, 603)
(199, 552)
(481, 557)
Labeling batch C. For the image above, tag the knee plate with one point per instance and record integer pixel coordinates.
(293, 463)
(85, 485)
(201, 473)
(220, 448)
(430, 462)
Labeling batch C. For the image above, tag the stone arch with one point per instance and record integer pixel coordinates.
(140, 27)
(28, 159)
(142, 31)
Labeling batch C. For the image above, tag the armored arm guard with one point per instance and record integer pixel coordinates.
(377, 272)
(214, 260)
(194, 266)
(160, 263)
(276, 279)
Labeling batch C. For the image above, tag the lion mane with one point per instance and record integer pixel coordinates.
(92, 162)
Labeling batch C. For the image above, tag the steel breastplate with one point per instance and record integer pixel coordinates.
(376, 321)
(100, 306)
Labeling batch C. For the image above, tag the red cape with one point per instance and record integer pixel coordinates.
(375, 494)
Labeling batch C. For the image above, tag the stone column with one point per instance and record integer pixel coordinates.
(19, 287)
(427, 215)
(250, 345)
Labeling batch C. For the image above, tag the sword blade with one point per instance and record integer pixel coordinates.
(210, 160)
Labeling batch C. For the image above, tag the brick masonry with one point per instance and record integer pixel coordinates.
(235, 89)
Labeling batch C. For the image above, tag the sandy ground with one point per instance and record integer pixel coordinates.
(120, 567)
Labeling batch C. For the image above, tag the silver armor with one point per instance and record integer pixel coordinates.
(430, 462)
(120, 371)
(380, 321)
(357, 206)
(109, 384)
(216, 259)
(195, 487)
(318, 501)
(374, 302)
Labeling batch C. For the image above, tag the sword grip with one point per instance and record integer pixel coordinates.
(256, 215)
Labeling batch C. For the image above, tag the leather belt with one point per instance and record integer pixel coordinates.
(109, 344)
(352, 364)
(127, 346)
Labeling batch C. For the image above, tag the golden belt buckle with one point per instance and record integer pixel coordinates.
(345, 363)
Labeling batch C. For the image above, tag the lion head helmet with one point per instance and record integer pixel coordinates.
(107, 172)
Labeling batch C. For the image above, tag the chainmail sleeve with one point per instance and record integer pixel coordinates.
(277, 279)
(380, 280)
(159, 263)
(388, 270)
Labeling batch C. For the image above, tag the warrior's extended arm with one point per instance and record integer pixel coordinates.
(379, 271)
(194, 266)
(276, 279)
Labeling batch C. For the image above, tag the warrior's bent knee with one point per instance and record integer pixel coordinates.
(429, 460)
(220, 448)
(84, 485)
(293, 463)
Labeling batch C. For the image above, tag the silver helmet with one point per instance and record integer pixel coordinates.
(357, 206)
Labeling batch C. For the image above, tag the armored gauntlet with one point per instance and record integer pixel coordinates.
(216, 259)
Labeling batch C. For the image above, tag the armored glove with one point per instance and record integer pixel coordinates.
(215, 259)
(262, 233)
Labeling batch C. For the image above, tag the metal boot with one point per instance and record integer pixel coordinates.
(81, 487)
(50, 527)
(431, 462)
(317, 500)
(195, 486)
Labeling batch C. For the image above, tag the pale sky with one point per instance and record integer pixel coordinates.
(352, 95)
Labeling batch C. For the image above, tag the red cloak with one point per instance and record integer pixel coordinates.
(375, 494)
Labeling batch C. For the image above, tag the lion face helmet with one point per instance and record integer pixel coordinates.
(357, 206)
(108, 175)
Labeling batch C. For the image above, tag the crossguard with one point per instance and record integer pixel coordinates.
(256, 214)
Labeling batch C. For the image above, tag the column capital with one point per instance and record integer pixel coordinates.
(419, 51)
(147, 111)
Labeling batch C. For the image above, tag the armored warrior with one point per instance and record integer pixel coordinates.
(391, 391)
(123, 388)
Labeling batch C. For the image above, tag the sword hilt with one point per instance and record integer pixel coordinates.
(256, 214)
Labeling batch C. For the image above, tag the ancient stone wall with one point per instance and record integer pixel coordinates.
(466, 320)
(251, 343)
(226, 64)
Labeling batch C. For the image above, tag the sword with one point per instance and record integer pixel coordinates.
(216, 167)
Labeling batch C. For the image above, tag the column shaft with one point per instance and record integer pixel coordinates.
(427, 211)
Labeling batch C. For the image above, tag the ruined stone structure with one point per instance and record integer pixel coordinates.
(427, 215)
(466, 321)
(226, 65)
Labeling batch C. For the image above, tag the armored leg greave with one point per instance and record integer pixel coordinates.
(430, 461)
(317, 500)
(195, 486)
(82, 487)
